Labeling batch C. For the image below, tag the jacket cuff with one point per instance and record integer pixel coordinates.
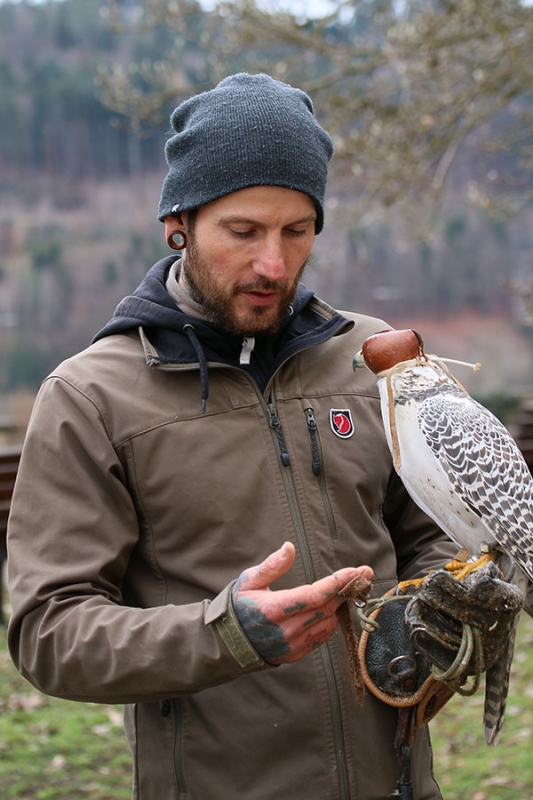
(222, 615)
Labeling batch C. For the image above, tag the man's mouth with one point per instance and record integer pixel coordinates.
(261, 297)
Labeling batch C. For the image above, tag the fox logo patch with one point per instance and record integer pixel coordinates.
(341, 422)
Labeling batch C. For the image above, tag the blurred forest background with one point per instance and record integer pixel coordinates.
(429, 219)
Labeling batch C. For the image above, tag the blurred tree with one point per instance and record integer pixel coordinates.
(171, 59)
(51, 121)
(110, 272)
(11, 116)
(52, 283)
(408, 89)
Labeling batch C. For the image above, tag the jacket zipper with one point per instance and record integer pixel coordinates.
(313, 434)
(317, 461)
(276, 425)
(310, 575)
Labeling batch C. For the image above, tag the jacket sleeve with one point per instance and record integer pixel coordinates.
(420, 545)
(72, 529)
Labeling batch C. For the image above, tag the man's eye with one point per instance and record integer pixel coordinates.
(296, 232)
(242, 234)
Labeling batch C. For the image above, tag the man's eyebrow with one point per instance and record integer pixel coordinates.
(233, 218)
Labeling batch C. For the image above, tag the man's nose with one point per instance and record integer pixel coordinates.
(270, 261)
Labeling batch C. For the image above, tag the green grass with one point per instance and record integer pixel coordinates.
(53, 749)
(466, 768)
(57, 750)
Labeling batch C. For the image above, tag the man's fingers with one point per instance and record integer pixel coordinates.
(318, 593)
(308, 637)
(286, 624)
(287, 602)
(272, 568)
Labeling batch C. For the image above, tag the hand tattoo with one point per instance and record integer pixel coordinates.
(267, 637)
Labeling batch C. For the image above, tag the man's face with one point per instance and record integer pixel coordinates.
(246, 253)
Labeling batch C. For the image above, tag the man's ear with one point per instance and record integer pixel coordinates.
(176, 226)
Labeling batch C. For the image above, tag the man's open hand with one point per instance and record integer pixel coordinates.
(287, 624)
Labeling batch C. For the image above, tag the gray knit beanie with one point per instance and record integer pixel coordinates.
(250, 130)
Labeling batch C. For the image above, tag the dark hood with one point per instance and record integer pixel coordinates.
(151, 307)
(179, 338)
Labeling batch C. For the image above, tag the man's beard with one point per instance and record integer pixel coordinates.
(216, 302)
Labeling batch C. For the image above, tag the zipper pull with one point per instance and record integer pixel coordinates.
(313, 433)
(276, 424)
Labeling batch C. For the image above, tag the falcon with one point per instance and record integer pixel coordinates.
(460, 465)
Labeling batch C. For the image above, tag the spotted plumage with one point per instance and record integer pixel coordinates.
(460, 465)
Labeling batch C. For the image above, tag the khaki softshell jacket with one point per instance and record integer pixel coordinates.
(133, 514)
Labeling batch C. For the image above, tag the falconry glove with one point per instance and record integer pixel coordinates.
(463, 625)
(422, 644)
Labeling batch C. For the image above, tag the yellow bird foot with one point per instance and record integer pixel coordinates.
(411, 584)
(461, 569)
(458, 568)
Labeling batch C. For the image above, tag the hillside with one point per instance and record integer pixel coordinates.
(69, 259)
(101, 247)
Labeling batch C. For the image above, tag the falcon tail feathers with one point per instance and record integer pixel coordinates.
(497, 680)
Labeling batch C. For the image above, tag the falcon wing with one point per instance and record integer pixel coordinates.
(485, 468)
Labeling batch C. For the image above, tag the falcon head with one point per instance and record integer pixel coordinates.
(385, 349)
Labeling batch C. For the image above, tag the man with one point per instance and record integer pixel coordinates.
(216, 423)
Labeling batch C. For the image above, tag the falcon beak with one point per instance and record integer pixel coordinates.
(358, 360)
